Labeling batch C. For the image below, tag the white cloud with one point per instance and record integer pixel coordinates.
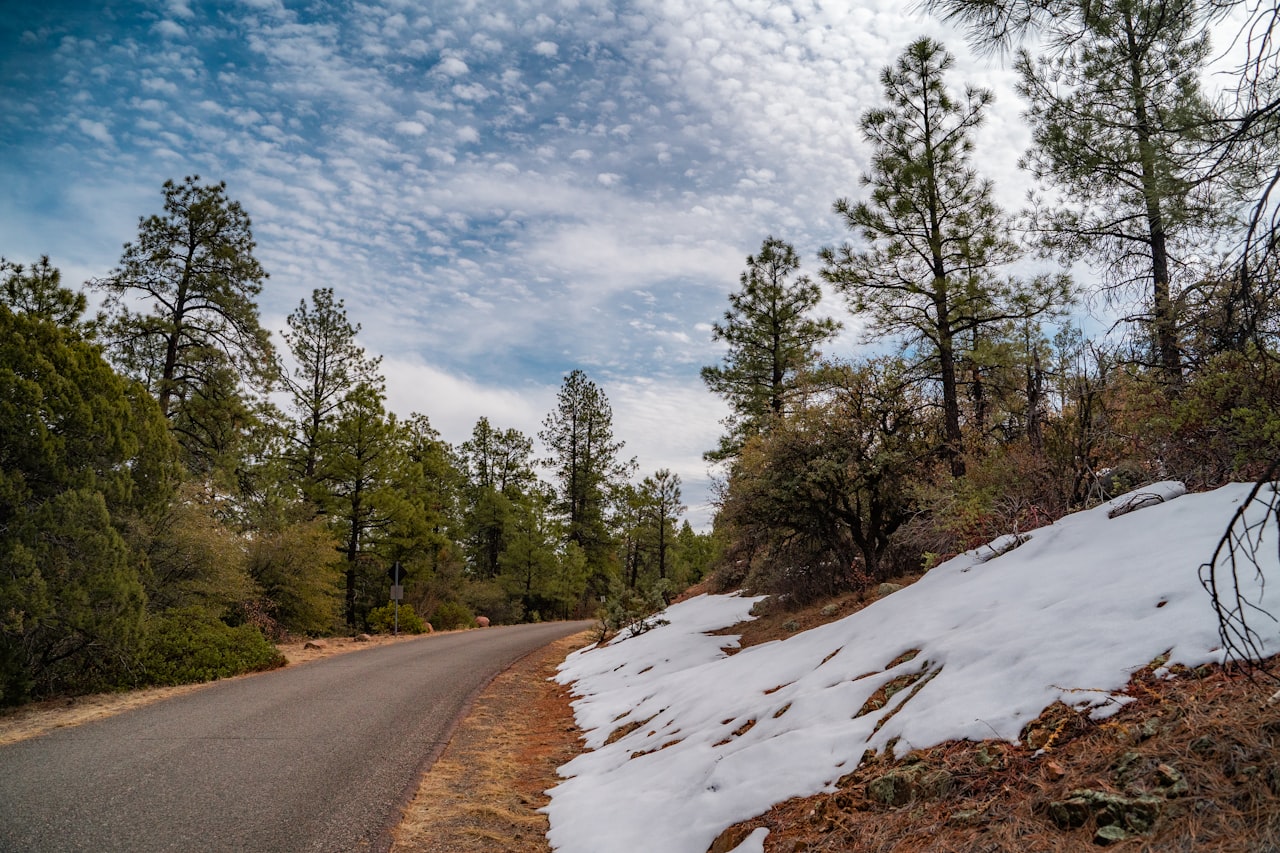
(169, 29)
(95, 130)
(608, 179)
(546, 48)
(452, 66)
(410, 128)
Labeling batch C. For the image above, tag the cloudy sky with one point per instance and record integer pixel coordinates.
(501, 190)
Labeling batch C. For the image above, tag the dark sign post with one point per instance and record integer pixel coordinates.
(396, 573)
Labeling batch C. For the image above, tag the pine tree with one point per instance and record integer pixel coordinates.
(1120, 126)
(771, 337)
(328, 365)
(584, 464)
(193, 269)
(935, 237)
(38, 292)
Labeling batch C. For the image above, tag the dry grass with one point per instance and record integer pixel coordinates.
(484, 792)
(37, 718)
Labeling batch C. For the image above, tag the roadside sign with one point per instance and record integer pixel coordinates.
(397, 592)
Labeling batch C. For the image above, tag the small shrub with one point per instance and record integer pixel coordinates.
(634, 610)
(449, 615)
(188, 645)
(382, 620)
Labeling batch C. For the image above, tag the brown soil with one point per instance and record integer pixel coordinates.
(484, 792)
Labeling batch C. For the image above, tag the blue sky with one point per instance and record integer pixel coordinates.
(500, 191)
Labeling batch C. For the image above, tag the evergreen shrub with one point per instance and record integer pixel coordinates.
(188, 645)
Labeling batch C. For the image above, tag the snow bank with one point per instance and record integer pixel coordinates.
(990, 639)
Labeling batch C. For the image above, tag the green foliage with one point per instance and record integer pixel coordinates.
(771, 339)
(73, 606)
(635, 610)
(934, 238)
(328, 366)
(450, 615)
(193, 558)
(194, 269)
(188, 645)
(38, 292)
(584, 464)
(812, 506)
(80, 453)
(1121, 128)
(382, 620)
(298, 573)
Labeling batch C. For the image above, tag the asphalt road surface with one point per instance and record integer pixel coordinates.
(315, 757)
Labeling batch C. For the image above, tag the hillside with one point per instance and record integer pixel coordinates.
(1017, 647)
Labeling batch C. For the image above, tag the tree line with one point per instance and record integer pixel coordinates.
(176, 492)
(985, 410)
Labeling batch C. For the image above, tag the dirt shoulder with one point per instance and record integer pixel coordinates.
(484, 792)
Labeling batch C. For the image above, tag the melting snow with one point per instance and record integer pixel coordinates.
(987, 641)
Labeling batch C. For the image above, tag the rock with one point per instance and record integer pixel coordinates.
(1172, 782)
(1107, 835)
(1071, 813)
(887, 589)
(362, 638)
(427, 629)
(315, 644)
(904, 784)
(832, 609)
(1054, 770)
(791, 626)
(482, 621)
(1131, 814)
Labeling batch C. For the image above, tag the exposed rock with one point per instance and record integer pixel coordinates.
(1130, 814)
(904, 784)
(1107, 835)
(482, 621)
(833, 608)
(315, 644)
(1172, 782)
(887, 589)
(362, 638)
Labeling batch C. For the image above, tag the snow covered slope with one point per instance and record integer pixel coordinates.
(986, 641)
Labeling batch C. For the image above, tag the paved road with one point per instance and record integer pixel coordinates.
(318, 757)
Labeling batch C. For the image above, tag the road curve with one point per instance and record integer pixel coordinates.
(317, 758)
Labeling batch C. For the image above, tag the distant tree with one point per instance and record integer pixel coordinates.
(298, 571)
(328, 365)
(585, 467)
(499, 470)
(362, 457)
(935, 238)
(661, 509)
(771, 337)
(529, 561)
(194, 274)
